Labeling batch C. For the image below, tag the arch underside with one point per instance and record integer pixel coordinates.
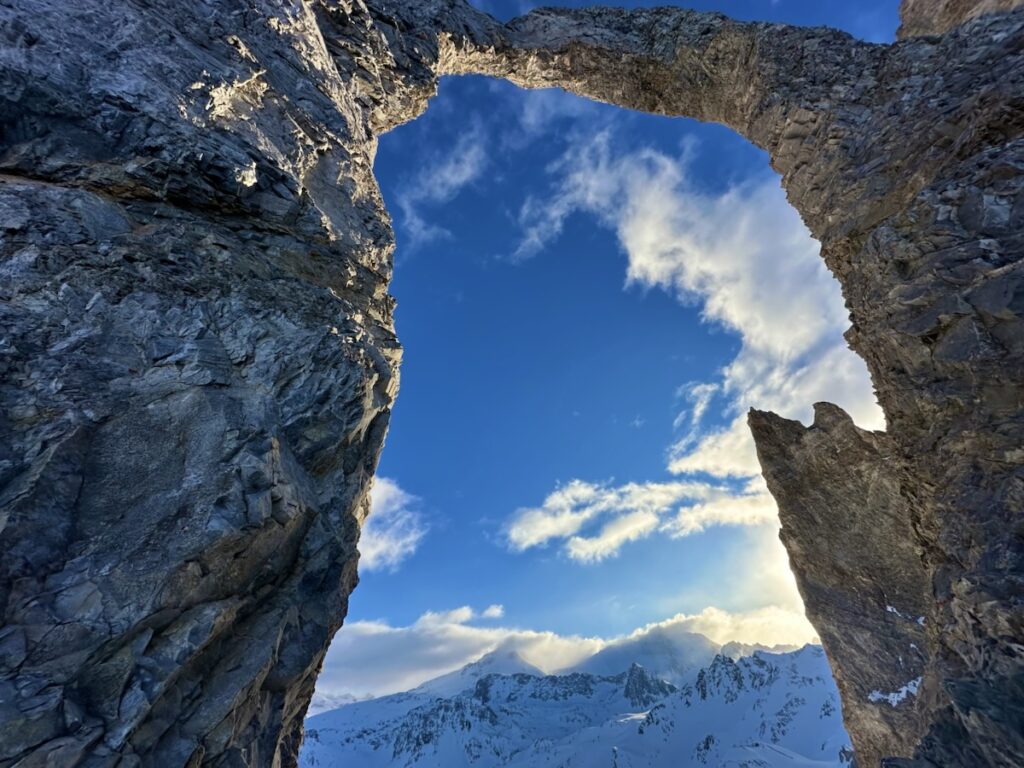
(199, 358)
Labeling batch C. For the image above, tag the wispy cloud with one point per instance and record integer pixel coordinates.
(698, 396)
(546, 114)
(393, 530)
(439, 181)
(609, 540)
(593, 521)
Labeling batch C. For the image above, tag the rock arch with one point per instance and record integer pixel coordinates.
(199, 359)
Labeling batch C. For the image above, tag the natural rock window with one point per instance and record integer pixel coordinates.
(199, 359)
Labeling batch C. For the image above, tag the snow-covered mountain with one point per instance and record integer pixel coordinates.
(735, 650)
(325, 702)
(666, 652)
(499, 662)
(761, 711)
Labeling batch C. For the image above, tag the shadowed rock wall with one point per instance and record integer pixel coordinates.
(199, 361)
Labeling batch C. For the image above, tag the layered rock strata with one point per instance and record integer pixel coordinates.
(199, 360)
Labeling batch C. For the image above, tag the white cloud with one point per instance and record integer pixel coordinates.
(757, 572)
(543, 114)
(729, 508)
(374, 657)
(540, 108)
(744, 255)
(458, 615)
(755, 591)
(746, 258)
(628, 527)
(770, 625)
(749, 575)
(438, 182)
(723, 453)
(377, 658)
(699, 395)
(393, 530)
(753, 599)
(633, 511)
(563, 513)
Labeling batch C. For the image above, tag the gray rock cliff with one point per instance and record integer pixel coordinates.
(198, 358)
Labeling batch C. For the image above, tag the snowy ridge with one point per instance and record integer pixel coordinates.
(499, 662)
(762, 711)
(666, 652)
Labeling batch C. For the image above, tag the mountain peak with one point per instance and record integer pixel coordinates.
(642, 689)
(500, 661)
(664, 652)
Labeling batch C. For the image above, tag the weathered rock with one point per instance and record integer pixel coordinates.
(936, 17)
(840, 491)
(199, 362)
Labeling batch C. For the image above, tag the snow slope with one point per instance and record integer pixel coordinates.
(762, 711)
(766, 710)
(499, 662)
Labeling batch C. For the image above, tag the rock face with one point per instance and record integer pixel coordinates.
(199, 362)
(840, 491)
(197, 367)
(936, 17)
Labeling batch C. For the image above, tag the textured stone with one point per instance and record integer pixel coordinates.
(198, 359)
(840, 492)
(936, 17)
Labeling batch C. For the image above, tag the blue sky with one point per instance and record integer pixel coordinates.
(589, 300)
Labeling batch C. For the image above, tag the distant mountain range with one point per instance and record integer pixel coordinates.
(661, 700)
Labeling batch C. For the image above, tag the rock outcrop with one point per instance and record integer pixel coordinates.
(936, 17)
(197, 364)
(199, 361)
(840, 491)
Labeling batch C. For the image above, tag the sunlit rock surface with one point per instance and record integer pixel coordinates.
(936, 17)
(199, 360)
